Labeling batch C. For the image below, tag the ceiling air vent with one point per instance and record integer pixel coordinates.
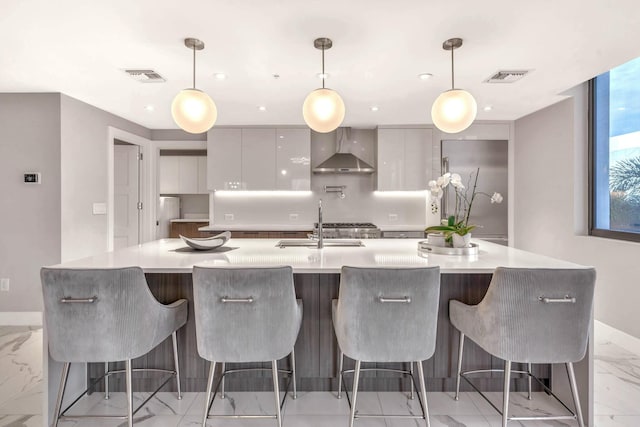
(145, 76)
(507, 76)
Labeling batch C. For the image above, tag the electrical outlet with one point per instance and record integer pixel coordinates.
(293, 217)
(393, 217)
(228, 217)
(4, 284)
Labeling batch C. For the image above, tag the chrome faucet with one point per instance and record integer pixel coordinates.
(320, 237)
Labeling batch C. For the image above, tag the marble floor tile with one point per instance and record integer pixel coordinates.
(617, 421)
(319, 403)
(237, 403)
(163, 403)
(541, 404)
(496, 421)
(442, 421)
(438, 403)
(21, 421)
(287, 421)
(138, 420)
(21, 370)
(616, 396)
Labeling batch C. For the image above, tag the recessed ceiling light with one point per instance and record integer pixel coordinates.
(323, 75)
(262, 108)
(374, 108)
(488, 108)
(425, 76)
(220, 76)
(621, 108)
(149, 108)
(276, 76)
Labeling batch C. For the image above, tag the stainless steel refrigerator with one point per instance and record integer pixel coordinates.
(464, 157)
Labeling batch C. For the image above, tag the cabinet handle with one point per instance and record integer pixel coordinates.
(226, 299)
(404, 300)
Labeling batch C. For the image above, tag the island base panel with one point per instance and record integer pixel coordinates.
(316, 347)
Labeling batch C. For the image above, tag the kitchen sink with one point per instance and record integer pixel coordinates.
(305, 243)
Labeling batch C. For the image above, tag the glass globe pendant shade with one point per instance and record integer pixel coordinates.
(323, 110)
(194, 111)
(454, 111)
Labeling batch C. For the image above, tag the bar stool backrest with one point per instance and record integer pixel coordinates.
(537, 315)
(388, 314)
(98, 315)
(245, 314)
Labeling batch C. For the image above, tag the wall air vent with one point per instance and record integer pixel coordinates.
(145, 76)
(509, 76)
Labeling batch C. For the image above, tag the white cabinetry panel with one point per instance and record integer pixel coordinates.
(293, 159)
(259, 159)
(181, 174)
(202, 175)
(169, 175)
(404, 159)
(224, 159)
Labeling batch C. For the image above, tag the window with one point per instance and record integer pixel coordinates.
(615, 153)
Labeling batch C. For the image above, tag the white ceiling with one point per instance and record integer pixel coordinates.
(80, 48)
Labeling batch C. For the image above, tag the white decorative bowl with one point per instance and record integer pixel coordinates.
(207, 243)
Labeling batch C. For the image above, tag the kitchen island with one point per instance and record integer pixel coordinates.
(168, 265)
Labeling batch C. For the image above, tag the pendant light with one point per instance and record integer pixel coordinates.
(192, 109)
(454, 110)
(323, 109)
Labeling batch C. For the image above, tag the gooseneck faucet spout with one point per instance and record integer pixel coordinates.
(320, 237)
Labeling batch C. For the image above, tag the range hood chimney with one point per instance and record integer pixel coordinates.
(343, 162)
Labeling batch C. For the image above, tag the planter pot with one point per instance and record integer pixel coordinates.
(461, 241)
(435, 239)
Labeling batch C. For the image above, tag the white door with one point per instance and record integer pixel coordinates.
(126, 195)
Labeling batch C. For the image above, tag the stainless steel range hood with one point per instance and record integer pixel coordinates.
(343, 162)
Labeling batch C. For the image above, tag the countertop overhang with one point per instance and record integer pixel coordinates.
(173, 256)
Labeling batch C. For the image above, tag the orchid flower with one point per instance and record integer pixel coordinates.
(497, 198)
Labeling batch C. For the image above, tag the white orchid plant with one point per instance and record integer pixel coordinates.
(459, 222)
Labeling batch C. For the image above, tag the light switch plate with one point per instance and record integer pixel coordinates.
(4, 284)
(393, 217)
(99, 208)
(293, 217)
(228, 217)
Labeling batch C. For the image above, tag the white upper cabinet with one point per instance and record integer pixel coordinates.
(404, 159)
(224, 159)
(202, 175)
(181, 174)
(293, 159)
(259, 159)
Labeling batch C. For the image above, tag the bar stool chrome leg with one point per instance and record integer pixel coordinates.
(340, 374)
(460, 350)
(129, 394)
(354, 392)
(106, 380)
(222, 395)
(207, 396)
(423, 390)
(293, 373)
(412, 395)
(276, 391)
(574, 393)
(63, 385)
(505, 393)
(177, 364)
(529, 381)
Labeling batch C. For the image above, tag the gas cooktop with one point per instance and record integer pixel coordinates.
(326, 225)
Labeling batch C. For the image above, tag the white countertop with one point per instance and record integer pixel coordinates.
(189, 220)
(173, 256)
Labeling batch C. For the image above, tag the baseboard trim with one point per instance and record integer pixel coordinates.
(21, 318)
(605, 332)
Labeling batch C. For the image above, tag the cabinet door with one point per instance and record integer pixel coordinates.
(258, 159)
(202, 175)
(224, 159)
(169, 175)
(417, 159)
(293, 159)
(188, 174)
(390, 171)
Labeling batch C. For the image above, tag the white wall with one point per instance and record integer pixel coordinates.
(550, 207)
(84, 175)
(30, 214)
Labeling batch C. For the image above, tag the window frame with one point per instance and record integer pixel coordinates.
(593, 230)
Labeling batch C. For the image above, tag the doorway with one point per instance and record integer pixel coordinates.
(126, 195)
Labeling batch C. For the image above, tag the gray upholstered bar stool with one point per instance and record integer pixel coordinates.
(106, 315)
(246, 315)
(387, 315)
(530, 316)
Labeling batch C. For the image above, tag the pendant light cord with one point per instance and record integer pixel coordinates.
(452, 79)
(323, 74)
(194, 66)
